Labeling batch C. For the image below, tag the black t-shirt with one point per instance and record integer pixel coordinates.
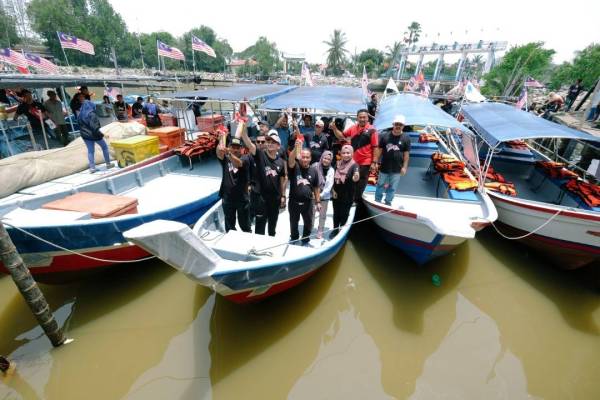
(136, 110)
(269, 173)
(121, 110)
(372, 109)
(574, 91)
(317, 144)
(392, 149)
(302, 183)
(345, 191)
(76, 104)
(33, 112)
(234, 185)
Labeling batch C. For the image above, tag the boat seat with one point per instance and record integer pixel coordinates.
(237, 245)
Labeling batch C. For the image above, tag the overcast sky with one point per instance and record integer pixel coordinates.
(302, 26)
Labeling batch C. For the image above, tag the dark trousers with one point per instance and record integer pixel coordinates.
(296, 210)
(62, 134)
(341, 209)
(255, 204)
(239, 207)
(267, 212)
(363, 171)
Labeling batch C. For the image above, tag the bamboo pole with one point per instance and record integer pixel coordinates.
(29, 289)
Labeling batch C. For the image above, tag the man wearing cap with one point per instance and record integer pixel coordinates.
(395, 148)
(271, 176)
(283, 130)
(318, 142)
(365, 142)
(256, 200)
(234, 185)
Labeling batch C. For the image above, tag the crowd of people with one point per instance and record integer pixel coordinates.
(316, 163)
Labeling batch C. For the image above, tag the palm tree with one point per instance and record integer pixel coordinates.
(393, 51)
(336, 55)
(414, 32)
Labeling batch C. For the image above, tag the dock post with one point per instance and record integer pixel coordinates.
(29, 289)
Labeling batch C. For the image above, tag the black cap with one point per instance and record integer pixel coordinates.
(236, 142)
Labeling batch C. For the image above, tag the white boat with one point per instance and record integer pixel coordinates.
(426, 219)
(543, 214)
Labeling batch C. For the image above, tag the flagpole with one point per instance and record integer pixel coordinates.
(23, 52)
(157, 55)
(193, 57)
(63, 49)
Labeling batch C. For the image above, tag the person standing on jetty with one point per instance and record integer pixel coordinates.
(271, 175)
(304, 188)
(574, 90)
(395, 147)
(365, 142)
(234, 185)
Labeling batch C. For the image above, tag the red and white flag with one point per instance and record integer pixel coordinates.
(364, 83)
(200, 45)
(72, 42)
(41, 63)
(12, 57)
(167, 51)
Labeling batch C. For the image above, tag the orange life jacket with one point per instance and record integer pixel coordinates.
(459, 180)
(446, 162)
(427, 138)
(502, 187)
(588, 192)
(556, 170)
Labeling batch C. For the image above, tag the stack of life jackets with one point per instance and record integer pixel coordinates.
(588, 192)
(428, 138)
(204, 142)
(453, 172)
(495, 181)
(516, 144)
(556, 170)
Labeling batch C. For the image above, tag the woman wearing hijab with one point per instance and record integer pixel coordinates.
(325, 173)
(89, 127)
(344, 183)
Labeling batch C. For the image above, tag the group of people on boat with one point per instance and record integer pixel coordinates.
(320, 162)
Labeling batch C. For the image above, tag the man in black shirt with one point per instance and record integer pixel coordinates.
(256, 201)
(137, 108)
(271, 175)
(121, 109)
(573, 93)
(318, 142)
(395, 148)
(372, 107)
(33, 110)
(234, 185)
(304, 186)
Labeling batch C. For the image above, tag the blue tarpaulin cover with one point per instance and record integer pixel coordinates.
(338, 99)
(497, 122)
(237, 92)
(417, 110)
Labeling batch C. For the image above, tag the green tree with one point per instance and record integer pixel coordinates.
(148, 41)
(372, 59)
(8, 30)
(585, 66)
(518, 63)
(336, 55)
(413, 34)
(204, 62)
(263, 52)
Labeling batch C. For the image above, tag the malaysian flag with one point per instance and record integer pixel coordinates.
(422, 85)
(199, 45)
(530, 82)
(12, 57)
(71, 42)
(41, 63)
(364, 82)
(522, 102)
(167, 51)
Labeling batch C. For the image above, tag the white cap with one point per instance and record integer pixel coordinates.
(320, 123)
(399, 119)
(274, 135)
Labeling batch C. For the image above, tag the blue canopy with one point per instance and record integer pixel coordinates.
(497, 122)
(237, 92)
(337, 99)
(417, 110)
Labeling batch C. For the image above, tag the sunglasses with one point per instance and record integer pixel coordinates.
(260, 142)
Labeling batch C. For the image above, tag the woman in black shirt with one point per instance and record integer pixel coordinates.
(344, 183)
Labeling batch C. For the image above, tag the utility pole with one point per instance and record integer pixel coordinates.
(29, 289)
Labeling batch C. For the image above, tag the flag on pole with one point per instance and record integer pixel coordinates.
(200, 45)
(12, 57)
(522, 102)
(411, 85)
(111, 92)
(305, 75)
(530, 82)
(167, 51)
(472, 94)
(391, 85)
(364, 83)
(422, 85)
(41, 63)
(72, 42)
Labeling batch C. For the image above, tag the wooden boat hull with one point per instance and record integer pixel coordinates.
(571, 240)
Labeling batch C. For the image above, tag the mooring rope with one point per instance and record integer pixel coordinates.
(529, 233)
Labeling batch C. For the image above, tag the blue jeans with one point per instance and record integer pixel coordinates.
(392, 181)
(90, 151)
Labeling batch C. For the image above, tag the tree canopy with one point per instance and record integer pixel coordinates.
(265, 53)
(585, 66)
(8, 30)
(336, 54)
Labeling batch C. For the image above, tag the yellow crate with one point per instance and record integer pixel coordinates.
(135, 149)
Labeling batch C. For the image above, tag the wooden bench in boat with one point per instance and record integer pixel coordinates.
(239, 245)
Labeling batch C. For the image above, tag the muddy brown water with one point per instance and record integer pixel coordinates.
(369, 325)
